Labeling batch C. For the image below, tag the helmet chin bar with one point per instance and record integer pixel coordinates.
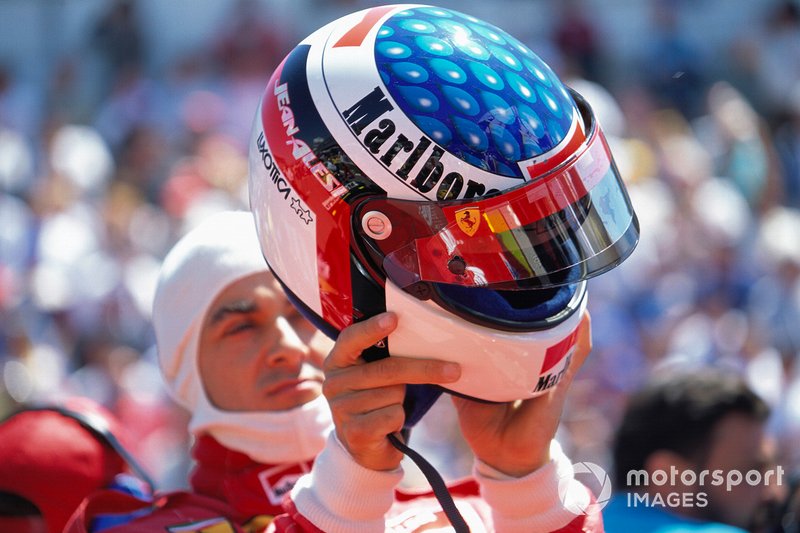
(420, 398)
(497, 365)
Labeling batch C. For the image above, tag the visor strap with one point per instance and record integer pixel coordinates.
(437, 484)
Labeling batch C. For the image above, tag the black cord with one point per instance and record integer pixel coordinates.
(437, 484)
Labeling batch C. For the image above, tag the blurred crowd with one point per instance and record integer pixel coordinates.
(95, 187)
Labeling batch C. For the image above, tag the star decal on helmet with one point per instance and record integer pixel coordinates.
(305, 214)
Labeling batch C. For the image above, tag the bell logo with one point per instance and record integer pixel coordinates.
(468, 220)
(593, 477)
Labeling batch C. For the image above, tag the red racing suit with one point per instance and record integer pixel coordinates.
(340, 496)
(231, 493)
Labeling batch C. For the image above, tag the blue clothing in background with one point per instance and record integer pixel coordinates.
(620, 517)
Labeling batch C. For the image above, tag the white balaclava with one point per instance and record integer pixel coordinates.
(222, 249)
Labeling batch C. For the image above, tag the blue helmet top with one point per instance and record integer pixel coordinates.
(477, 91)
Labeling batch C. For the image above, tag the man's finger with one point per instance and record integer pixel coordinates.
(409, 371)
(583, 346)
(390, 371)
(356, 402)
(357, 337)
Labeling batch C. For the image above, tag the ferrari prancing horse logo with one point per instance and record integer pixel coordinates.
(468, 220)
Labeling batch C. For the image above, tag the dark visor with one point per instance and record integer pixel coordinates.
(571, 223)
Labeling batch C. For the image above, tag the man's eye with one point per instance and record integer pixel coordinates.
(238, 328)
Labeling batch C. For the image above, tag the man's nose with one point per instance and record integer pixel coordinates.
(288, 350)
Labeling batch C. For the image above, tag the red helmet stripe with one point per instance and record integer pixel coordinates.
(558, 351)
(356, 35)
(305, 176)
(568, 146)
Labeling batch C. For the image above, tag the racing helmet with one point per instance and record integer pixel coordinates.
(416, 159)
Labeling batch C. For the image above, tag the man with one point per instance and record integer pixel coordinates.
(54, 456)
(231, 357)
(252, 386)
(691, 455)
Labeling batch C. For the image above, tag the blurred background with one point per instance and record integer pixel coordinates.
(123, 123)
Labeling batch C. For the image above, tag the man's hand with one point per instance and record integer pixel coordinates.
(366, 399)
(514, 437)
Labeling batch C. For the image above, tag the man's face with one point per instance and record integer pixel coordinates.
(738, 444)
(250, 358)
